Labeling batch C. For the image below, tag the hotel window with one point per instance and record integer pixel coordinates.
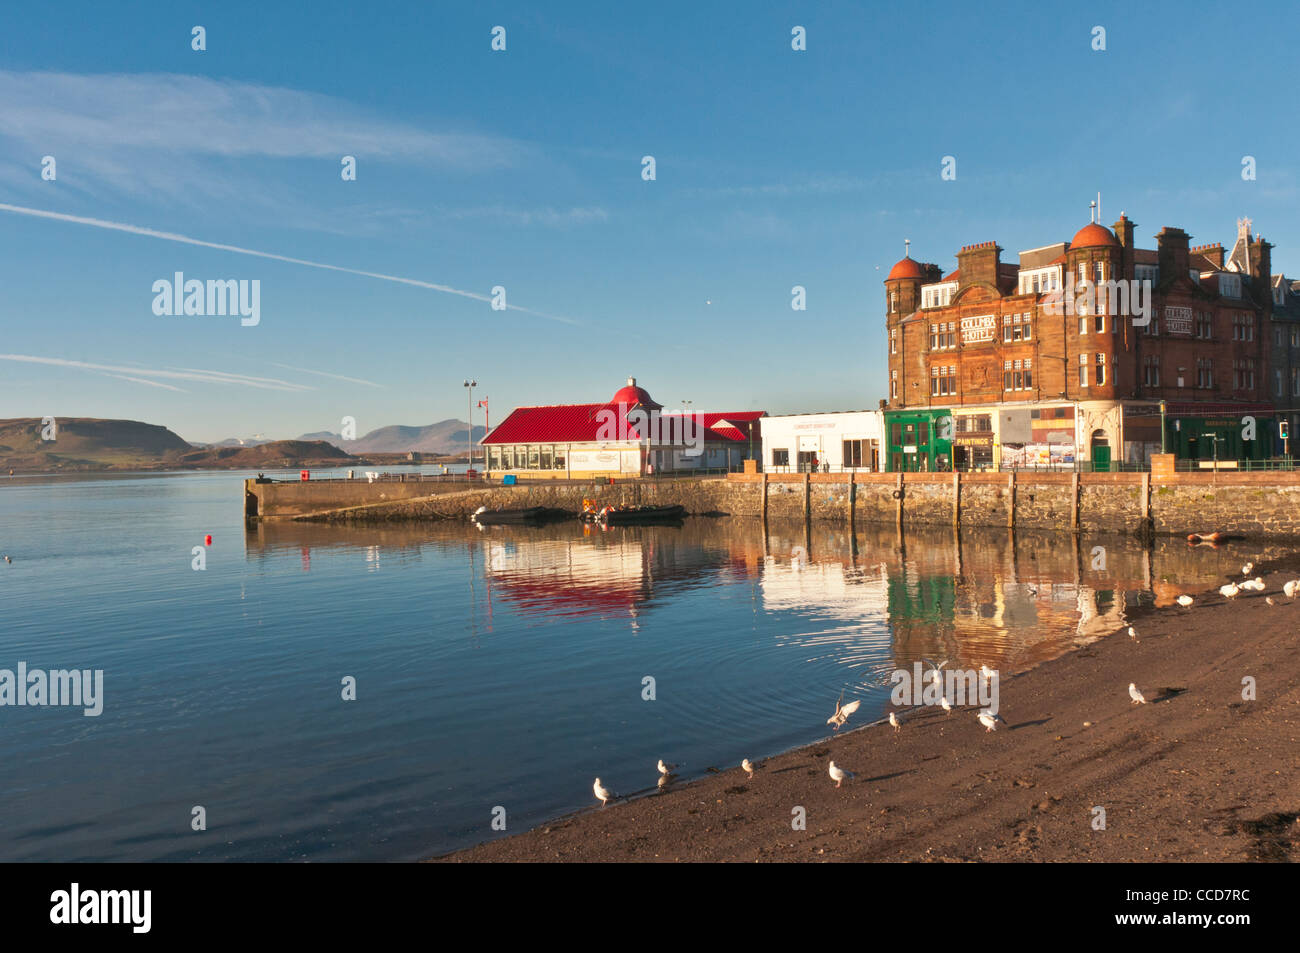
(934, 337)
(1277, 383)
(1100, 272)
(1295, 382)
(1151, 371)
(1083, 370)
(1152, 328)
(1083, 271)
(893, 385)
(1243, 327)
(951, 336)
(1056, 282)
(893, 341)
(1277, 337)
(1015, 327)
(1101, 369)
(1034, 284)
(1204, 373)
(780, 458)
(1295, 337)
(1017, 375)
(1243, 375)
(893, 301)
(1083, 324)
(1204, 325)
(1099, 322)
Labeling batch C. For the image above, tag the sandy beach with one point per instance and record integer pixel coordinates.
(1197, 774)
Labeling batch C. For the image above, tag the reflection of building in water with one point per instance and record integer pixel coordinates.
(614, 574)
(845, 604)
(570, 576)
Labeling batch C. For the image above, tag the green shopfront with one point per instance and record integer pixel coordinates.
(918, 441)
(1239, 437)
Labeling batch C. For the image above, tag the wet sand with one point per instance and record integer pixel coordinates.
(1196, 774)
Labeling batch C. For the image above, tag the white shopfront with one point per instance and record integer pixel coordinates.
(830, 442)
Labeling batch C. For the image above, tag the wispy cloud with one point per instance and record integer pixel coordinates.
(144, 375)
(523, 217)
(338, 377)
(171, 113)
(186, 240)
(141, 380)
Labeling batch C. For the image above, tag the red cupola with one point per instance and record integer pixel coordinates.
(634, 396)
(907, 268)
(1093, 235)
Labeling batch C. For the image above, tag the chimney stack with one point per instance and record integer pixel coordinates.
(979, 264)
(1175, 256)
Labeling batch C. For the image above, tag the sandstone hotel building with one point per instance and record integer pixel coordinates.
(1029, 382)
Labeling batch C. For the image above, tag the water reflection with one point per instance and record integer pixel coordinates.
(869, 600)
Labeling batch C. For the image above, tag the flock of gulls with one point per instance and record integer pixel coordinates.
(987, 717)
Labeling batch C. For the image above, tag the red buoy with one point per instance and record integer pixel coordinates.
(207, 540)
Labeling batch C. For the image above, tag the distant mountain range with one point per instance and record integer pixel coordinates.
(444, 437)
(89, 443)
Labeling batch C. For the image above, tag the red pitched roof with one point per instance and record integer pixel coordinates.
(585, 423)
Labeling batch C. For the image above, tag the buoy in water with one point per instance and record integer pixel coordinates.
(207, 540)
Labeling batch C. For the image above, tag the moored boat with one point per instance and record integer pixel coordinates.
(528, 514)
(625, 515)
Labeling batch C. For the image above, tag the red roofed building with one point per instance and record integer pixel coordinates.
(626, 436)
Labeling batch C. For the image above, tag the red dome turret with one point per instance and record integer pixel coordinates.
(907, 268)
(1093, 235)
(634, 396)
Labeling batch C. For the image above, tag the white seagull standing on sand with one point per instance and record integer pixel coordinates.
(893, 720)
(1132, 634)
(987, 674)
(947, 707)
(1229, 591)
(1291, 588)
(842, 712)
(838, 774)
(748, 768)
(602, 793)
(666, 768)
(1245, 570)
(1185, 601)
(1137, 696)
(990, 720)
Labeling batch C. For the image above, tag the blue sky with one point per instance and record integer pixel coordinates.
(522, 169)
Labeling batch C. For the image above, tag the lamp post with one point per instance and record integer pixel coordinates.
(469, 424)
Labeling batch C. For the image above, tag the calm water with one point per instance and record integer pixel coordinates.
(497, 667)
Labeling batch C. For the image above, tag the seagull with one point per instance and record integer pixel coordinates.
(990, 719)
(1184, 601)
(1229, 591)
(1245, 570)
(1254, 585)
(602, 793)
(1137, 696)
(934, 674)
(893, 720)
(987, 674)
(748, 768)
(8, 559)
(842, 712)
(1291, 588)
(1132, 633)
(839, 774)
(666, 768)
(1269, 600)
(943, 701)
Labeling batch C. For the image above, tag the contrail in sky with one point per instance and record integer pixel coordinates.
(186, 240)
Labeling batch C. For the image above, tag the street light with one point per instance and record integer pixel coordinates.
(469, 425)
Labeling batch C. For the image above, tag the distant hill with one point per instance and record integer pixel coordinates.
(81, 442)
(86, 443)
(276, 453)
(444, 437)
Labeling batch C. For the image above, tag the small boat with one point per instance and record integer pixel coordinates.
(1207, 538)
(529, 514)
(628, 515)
